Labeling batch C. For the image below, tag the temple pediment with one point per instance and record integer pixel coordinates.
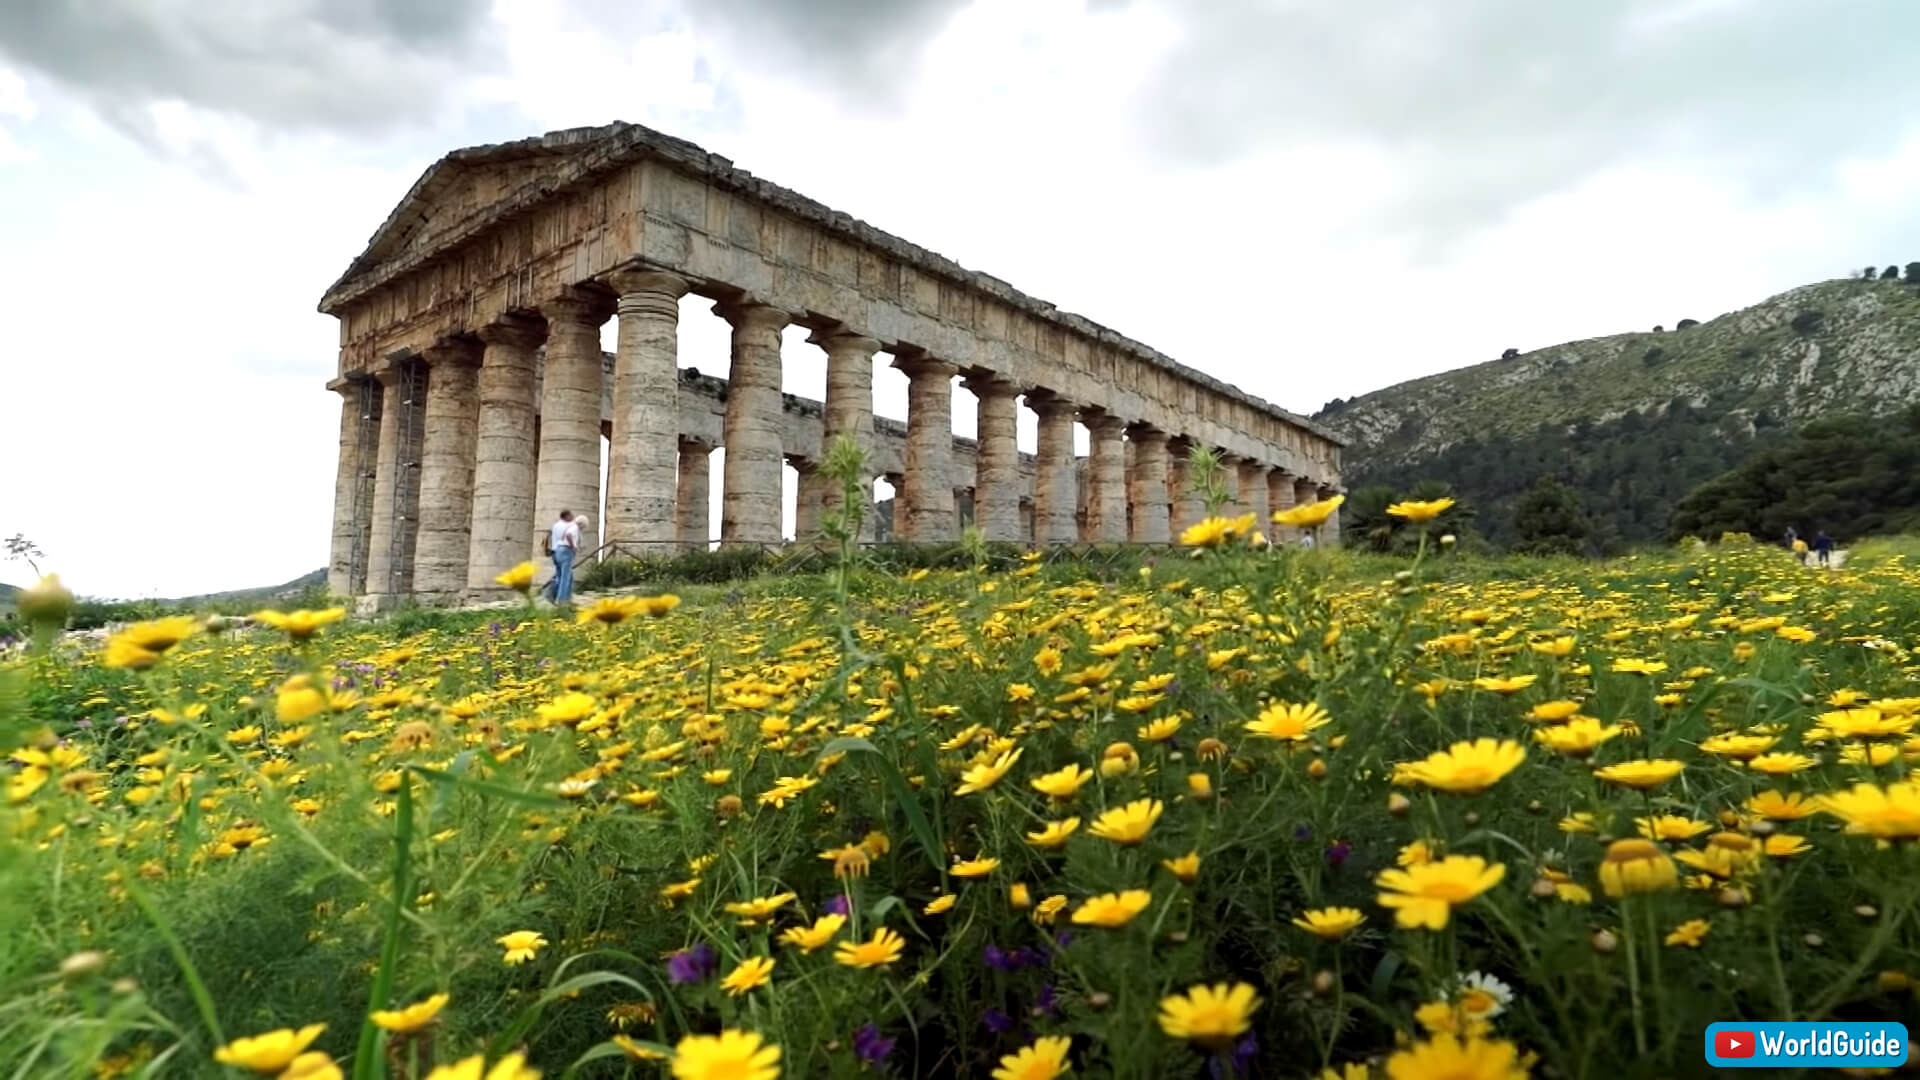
(471, 188)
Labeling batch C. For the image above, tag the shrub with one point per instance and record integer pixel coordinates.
(1808, 322)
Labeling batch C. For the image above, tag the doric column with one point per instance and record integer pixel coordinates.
(1107, 473)
(1184, 506)
(1330, 532)
(396, 481)
(445, 539)
(750, 501)
(1305, 491)
(503, 459)
(996, 486)
(1147, 484)
(1054, 492)
(568, 472)
(1279, 498)
(929, 514)
(353, 483)
(1254, 490)
(643, 459)
(849, 411)
(693, 511)
(1026, 521)
(809, 498)
(898, 482)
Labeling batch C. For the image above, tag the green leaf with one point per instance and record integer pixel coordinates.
(498, 791)
(202, 1000)
(601, 1051)
(524, 1022)
(1383, 973)
(902, 793)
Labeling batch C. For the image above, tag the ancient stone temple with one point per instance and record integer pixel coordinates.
(475, 395)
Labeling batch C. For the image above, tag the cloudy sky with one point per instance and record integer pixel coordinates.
(1309, 198)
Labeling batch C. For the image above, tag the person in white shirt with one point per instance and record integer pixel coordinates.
(562, 538)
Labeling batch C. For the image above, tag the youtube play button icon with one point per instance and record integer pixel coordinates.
(1733, 1044)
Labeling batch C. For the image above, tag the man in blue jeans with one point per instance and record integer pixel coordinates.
(562, 538)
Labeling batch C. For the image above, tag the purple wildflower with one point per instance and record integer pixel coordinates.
(693, 965)
(1045, 1004)
(1303, 832)
(83, 724)
(871, 1046)
(1000, 959)
(997, 1022)
(1337, 853)
(839, 905)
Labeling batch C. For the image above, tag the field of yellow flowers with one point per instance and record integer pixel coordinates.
(1250, 813)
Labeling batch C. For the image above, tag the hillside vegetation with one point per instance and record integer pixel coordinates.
(1633, 422)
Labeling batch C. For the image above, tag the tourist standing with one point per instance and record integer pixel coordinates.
(1823, 546)
(563, 537)
(1799, 547)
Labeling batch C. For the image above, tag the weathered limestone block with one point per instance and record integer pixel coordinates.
(643, 460)
(1330, 532)
(750, 501)
(396, 487)
(1280, 497)
(1147, 481)
(568, 470)
(353, 485)
(849, 411)
(444, 541)
(692, 512)
(503, 469)
(1184, 505)
(928, 516)
(1107, 469)
(1054, 485)
(996, 502)
(1253, 492)
(809, 498)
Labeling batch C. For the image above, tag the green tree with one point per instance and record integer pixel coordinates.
(1549, 520)
(1849, 475)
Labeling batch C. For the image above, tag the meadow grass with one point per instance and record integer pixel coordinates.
(258, 833)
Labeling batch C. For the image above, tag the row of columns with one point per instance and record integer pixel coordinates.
(467, 468)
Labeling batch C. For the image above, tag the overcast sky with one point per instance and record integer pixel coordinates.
(1308, 198)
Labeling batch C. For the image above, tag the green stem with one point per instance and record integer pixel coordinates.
(202, 1000)
(1633, 976)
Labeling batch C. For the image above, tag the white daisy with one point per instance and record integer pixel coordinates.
(1482, 997)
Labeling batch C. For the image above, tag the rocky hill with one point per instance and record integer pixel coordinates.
(1634, 421)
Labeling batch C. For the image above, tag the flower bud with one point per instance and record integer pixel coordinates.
(1604, 941)
(1542, 889)
(46, 604)
(728, 806)
(1098, 1000)
(1892, 982)
(1323, 982)
(1317, 769)
(1866, 911)
(1200, 786)
(1019, 897)
(1732, 897)
(1448, 539)
(1470, 818)
(1813, 940)
(87, 962)
(1398, 804)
